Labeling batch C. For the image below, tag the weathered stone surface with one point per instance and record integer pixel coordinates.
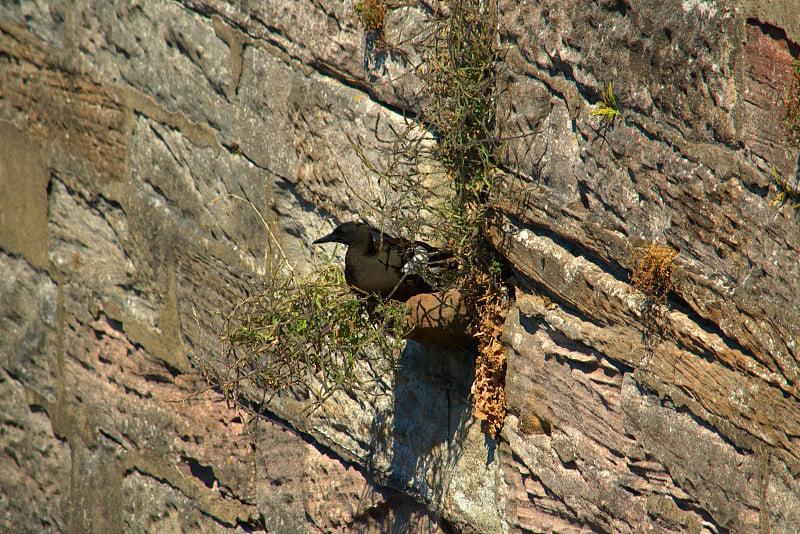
(629, 445)
(23, 203)
(157, 159)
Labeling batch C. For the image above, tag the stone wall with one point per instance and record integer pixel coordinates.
(131, 131)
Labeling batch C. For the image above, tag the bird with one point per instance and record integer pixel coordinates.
(391, 267)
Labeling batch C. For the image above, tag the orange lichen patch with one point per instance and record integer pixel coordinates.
(488, 389)
(652, 270)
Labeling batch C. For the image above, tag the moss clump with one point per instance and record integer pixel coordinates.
(370, 14)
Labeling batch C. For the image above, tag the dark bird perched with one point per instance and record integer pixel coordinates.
(389, 267)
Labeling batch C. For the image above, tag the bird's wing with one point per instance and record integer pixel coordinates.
(413, 257)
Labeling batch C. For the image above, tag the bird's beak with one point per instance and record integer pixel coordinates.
(325, 239)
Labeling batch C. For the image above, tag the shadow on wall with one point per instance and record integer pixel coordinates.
(431, 417)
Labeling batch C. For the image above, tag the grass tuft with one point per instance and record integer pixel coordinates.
(608, 109)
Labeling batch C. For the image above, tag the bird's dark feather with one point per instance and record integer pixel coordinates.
(384, 265)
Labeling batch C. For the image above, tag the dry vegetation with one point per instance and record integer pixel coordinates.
(652, 270)
(488, 306)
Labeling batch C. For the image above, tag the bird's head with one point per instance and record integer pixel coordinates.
(350, 234)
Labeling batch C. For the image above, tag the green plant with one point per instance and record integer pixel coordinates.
(439, 181)
(608, 109)
(786, 193)
(460, 73)
(309, 332)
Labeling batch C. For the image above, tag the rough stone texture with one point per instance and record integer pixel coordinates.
(130, 132)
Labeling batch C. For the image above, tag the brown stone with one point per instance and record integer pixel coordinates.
(438, 319)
